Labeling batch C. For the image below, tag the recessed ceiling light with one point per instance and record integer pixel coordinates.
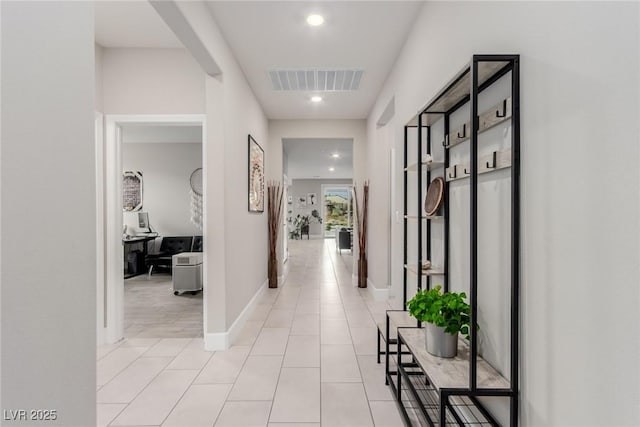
(331, 169)
(335, 155)
(316, 98)
(314, 20)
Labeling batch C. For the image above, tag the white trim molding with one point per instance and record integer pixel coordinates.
(285, 273)
(378, 294)
(223, 340)
(111, 159)
(216, 341)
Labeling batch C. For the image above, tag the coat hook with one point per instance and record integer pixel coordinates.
(492, 165)
(455, 167)
(464, 131)
(467, 172)
(445, 143)
(504, 110)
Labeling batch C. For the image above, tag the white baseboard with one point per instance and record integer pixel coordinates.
(216, 341)
(223, 340)
(284, 275)
(378, 294)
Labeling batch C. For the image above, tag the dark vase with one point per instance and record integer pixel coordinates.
(273, 270)
(362, 271)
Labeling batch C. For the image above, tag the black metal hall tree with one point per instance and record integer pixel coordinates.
(429, 390)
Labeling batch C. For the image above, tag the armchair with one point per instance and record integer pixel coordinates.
(344, 239)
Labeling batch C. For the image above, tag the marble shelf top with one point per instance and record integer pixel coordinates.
(450, 373)
(397, 318)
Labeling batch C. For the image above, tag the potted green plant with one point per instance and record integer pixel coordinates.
(445, 314)
(301, 222)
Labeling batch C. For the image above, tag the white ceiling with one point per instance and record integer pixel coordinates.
(266, 35)
(364, 35)
(131, 24)
(310, 158)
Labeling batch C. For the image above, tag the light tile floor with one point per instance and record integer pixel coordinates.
(305, 358)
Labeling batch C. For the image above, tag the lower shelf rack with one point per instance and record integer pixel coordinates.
(432, 391)
(424, 400)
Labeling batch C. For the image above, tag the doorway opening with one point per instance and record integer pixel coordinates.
(337, 208)
(162, 193)
(153, 210)
(319, 175)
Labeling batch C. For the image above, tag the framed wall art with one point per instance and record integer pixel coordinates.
(312, 199)
(131, 191)
(256, 176)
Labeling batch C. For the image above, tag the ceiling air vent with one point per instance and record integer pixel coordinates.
(316, 79)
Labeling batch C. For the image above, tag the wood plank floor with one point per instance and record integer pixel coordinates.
(151, 310)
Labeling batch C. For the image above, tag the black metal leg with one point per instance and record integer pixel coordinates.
(444, 397)
(398, 374)
(386, 353)
(514, 411)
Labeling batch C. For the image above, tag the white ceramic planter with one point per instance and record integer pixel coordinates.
(439, 343)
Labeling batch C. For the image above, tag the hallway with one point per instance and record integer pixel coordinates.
(306, 358)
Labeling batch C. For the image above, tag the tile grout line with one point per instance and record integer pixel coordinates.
(149, 383)
(273, 399)
(119, 343)
(122, 341)
(249, 355)
(190, 384)
(364, 389)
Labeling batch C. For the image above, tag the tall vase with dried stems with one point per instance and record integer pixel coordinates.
(274, 208)
(362, 213)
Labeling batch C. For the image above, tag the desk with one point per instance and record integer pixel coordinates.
(139, 266)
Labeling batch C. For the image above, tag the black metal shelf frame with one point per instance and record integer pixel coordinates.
(479, 80)
(437, 404)
(384, 331)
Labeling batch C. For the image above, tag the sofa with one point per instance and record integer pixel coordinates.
(170, 246)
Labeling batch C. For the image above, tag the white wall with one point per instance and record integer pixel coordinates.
(580, 187)
(48, 211)
(302, 187)
(166, 168)
(237, 256)
(378, 155)
(151, 81)
(300, 129)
